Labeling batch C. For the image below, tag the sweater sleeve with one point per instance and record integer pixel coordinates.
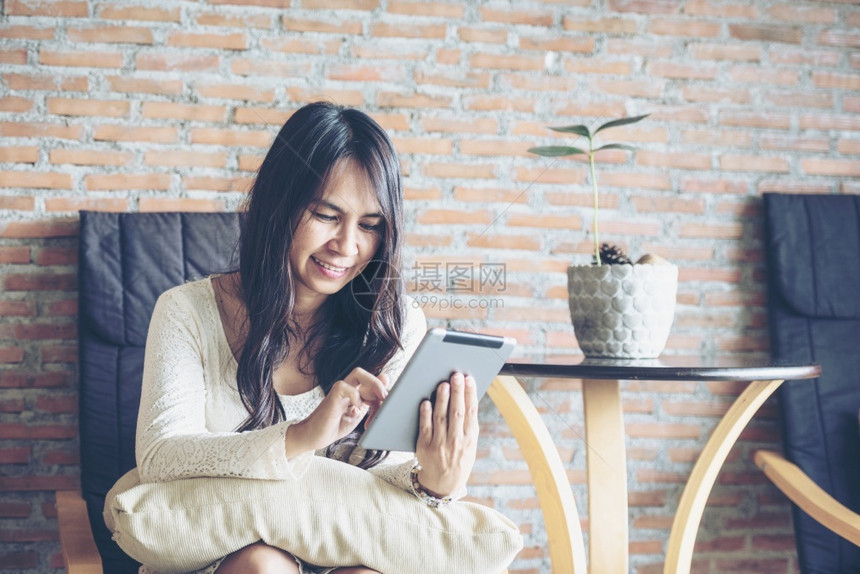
(172, 438)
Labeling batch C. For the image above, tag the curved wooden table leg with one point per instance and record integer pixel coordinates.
(566, 548)
(679, 552)
(607, 477)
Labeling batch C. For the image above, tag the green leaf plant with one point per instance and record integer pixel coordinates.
(582, 130)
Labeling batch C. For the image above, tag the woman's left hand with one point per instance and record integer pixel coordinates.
(448, 436)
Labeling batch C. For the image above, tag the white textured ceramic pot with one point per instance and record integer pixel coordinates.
(622, 311)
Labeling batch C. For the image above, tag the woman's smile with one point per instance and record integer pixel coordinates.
(329, 270)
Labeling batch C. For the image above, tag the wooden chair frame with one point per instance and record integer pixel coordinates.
(804, 492)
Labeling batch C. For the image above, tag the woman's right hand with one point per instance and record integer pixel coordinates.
(343, 407)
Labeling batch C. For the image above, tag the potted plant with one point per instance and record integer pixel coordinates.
(619, 309)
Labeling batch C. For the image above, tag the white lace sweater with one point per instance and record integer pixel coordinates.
(190, 405)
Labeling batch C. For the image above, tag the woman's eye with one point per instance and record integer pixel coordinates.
(371, 226)
(324, 217)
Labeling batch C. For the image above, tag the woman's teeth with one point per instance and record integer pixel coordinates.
(329, 267)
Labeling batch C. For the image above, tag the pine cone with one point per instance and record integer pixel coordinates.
(613, 255)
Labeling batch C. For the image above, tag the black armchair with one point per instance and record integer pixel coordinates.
(125, 262)
(813, 247)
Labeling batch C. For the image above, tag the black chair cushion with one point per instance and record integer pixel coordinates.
(813, 246)
(126, 261)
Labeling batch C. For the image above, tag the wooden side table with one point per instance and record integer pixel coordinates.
(606, 454)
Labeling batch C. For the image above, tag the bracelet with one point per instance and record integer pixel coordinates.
(423, 495)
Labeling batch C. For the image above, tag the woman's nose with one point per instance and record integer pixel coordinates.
(346, 240)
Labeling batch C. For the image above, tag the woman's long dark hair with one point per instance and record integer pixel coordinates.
(360, 325)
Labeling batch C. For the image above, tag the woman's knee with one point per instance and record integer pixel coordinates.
(258, 558)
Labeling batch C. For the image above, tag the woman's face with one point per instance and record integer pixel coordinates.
(337, 236)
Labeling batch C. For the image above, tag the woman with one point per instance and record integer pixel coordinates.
(248, 374)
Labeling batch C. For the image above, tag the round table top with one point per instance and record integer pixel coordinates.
(665, 369)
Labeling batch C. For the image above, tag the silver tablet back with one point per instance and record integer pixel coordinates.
(440, 354)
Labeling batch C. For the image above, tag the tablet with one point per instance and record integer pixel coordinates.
(441, 353)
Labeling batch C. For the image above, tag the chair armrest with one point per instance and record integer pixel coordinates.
(76, 537)
(802, 491)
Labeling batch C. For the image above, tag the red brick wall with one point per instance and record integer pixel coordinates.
(161, 105)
